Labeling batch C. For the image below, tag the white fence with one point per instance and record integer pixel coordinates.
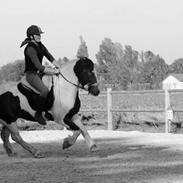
(167, 110)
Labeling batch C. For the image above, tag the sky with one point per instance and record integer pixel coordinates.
(154, 25)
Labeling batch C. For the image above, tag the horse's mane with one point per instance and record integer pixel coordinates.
(68, 63)
(64, 69)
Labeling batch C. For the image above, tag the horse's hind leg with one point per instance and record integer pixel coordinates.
(18, 139)
(6, 143)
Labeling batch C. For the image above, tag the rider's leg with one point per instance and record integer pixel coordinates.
(35, 81)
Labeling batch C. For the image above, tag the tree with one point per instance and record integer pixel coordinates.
(12, 71)
(131, 62)
(109, 59)
(154, 71)
(117, 65)
(176, 66)
(82, 50)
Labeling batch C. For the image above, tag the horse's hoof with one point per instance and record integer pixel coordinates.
(39, 155)
(93, 148)
(66, 144)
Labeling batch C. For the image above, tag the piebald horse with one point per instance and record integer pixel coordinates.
(65, 87)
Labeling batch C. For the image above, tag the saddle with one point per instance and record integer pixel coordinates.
(34, 98)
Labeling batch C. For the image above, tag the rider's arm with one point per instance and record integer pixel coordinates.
(49, 56)
(31, 53)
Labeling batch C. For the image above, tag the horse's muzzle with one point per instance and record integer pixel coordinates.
(93, 89)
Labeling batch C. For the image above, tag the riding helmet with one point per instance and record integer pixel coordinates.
(34, 30)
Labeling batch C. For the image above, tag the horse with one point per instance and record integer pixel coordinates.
(63, 104)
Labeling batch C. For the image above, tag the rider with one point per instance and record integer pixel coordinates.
(34, 52)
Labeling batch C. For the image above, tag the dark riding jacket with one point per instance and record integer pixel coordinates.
(34, 54)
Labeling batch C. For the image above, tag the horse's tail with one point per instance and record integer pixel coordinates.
(26, 115)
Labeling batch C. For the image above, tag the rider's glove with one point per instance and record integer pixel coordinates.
(56, 64)
(57, 71)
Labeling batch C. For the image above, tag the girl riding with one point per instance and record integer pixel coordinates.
(34, 53)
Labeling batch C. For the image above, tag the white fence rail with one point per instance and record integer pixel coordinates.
(167, 110)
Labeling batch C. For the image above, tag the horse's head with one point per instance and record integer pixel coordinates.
(84, 70)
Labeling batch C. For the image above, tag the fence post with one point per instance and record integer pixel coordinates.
(109, 107)
(167, 106)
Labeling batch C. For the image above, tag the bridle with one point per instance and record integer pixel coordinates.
(79, 86)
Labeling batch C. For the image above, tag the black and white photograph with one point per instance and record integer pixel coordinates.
(91, 91)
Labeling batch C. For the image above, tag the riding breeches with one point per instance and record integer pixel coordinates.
(35, 81)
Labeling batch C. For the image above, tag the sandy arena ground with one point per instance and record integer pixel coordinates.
(122, 157)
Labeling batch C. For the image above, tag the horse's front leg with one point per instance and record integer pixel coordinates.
(71, 139)
(90, 142)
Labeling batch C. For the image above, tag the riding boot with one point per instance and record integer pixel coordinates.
(38, 115)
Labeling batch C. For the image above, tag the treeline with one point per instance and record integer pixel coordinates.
(124, 68)
(12, 71)
(119, 67)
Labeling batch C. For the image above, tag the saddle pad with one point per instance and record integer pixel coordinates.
(27, 85)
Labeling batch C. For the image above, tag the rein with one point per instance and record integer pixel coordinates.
(81, 87)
